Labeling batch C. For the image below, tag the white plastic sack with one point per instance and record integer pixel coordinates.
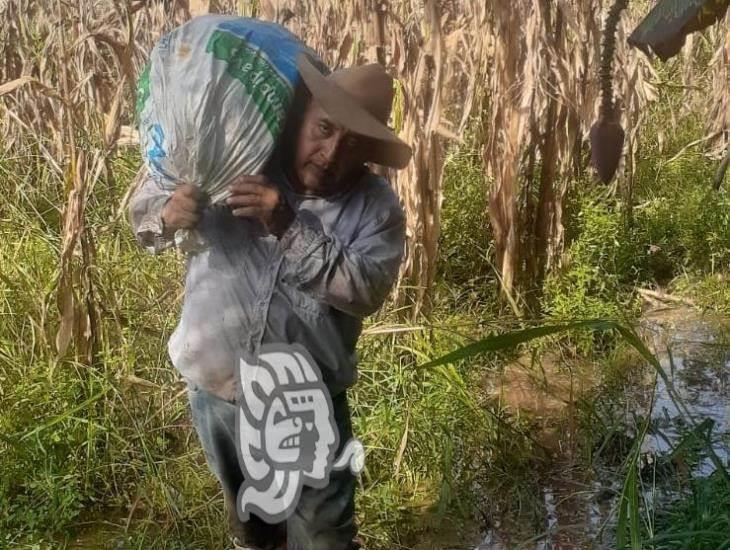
(212, 102)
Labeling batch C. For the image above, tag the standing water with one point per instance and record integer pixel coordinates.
(579, 499)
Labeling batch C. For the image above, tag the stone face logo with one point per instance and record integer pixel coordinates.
(287, 434)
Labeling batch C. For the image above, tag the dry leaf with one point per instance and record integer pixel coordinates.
(13, 85)
(111, 126)
(401, 447)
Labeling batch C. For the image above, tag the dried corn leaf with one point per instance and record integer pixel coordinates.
(13, 85)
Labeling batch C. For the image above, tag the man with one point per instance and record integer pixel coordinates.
(299, 255)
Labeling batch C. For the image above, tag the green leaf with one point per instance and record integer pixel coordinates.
(65, 415)
(511, 340)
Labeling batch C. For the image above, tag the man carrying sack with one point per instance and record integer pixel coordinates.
(300, 255)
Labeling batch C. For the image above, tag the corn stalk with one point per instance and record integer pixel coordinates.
(719, 115)
(67, 76)
(541, 98)
(512, 83)
(526, 69)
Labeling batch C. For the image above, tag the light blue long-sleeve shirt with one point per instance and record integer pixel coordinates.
(333, 266)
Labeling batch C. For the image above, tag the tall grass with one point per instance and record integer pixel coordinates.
(83, 441)
(113, 443)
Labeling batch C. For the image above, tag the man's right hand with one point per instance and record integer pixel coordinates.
(182, 211)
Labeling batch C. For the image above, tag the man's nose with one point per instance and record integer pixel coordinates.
(330, 150)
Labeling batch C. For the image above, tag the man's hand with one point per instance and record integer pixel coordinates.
(257, 197)
(182, 211)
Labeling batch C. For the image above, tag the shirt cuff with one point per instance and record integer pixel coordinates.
(151, 230)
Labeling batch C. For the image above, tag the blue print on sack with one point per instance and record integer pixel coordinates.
(156, 135)
(156, 152)
(164, 42)
(280, 45)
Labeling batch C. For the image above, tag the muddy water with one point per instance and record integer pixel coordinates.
(579, 499)
(699, 370)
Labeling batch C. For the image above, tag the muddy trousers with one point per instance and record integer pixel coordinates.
(323, 518)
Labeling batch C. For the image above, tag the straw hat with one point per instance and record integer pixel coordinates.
(359, 99)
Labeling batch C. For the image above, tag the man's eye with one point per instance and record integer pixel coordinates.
(325, 128)
(351, 142)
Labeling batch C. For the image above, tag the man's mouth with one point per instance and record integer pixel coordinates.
(323, 174)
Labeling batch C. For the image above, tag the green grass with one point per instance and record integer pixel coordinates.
(700, 521)
(89, 442)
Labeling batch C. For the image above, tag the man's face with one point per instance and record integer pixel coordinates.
(326, 153)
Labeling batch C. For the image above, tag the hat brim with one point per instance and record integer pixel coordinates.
(387, 150)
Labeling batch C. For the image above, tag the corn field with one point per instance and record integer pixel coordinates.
(515, 84)
(525, 71)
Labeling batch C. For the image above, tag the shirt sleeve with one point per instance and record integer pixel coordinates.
(145, 214)
(356, 277)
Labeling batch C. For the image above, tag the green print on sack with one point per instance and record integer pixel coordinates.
(143, 89)
(269, 91)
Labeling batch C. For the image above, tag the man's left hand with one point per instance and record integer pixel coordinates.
(257, 197)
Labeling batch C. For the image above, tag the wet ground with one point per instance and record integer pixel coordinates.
(578, 496)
